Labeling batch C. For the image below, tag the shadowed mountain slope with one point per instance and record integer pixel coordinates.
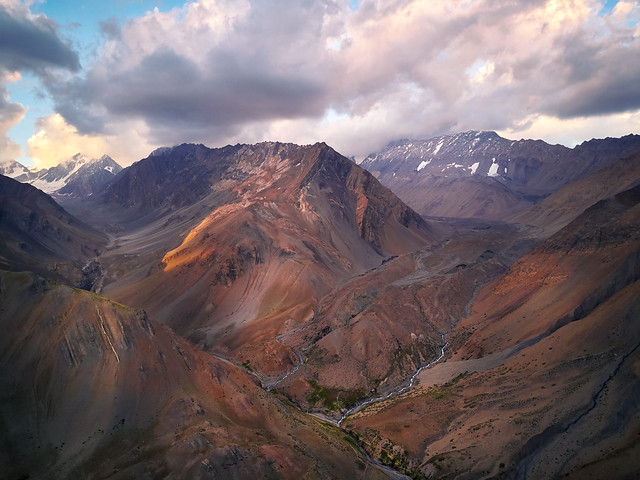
(482, 175)
(564, 205)
(37, 234)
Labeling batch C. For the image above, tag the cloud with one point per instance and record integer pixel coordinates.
(56, 141)
(31, 42)
(11, 113)
(574, 131)
(210, 65)
(28, 43)
(222, 71)
(110, 27)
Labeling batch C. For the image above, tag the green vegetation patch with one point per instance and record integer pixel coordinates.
(333, 398)
(99, 297)
(247, 364)
(437, 392)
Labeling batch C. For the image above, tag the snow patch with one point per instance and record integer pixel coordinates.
(438, 147)
(49, 187)
(423, 164)
(474, 167)
(493, 169)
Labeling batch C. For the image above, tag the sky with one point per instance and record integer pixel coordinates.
(124, 77)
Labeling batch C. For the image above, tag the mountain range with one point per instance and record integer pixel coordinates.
(274, 310)
(78, 176)
(482, 175)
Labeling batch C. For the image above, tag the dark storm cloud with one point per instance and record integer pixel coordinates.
(167, 88)
(264, 68)
(32, 44)
(110, 27)
(602, 79)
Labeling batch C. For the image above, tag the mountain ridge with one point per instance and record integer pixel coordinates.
(433, 175)
(37, 234)
(304, 217)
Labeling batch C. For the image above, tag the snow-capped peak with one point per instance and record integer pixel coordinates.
(13, 169)
(79, 170)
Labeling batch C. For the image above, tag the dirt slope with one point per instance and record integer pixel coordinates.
(92, 389)
(541, 379)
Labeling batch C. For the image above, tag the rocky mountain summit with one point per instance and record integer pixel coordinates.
(13, 169)
(249, 238)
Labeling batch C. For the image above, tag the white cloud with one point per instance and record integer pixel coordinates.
(574, 131)
(11, 113)
(56, 141)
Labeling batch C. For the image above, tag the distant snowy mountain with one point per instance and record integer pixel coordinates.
(77, 177)
(480, 174)
(13, 169)
(90, 177)
(483, 154)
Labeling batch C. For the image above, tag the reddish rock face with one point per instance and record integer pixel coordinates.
(92, 388)
(542, 373)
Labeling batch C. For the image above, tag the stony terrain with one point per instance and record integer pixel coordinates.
(286, 224)
(93, 389)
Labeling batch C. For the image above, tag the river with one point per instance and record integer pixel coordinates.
(398, 391)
